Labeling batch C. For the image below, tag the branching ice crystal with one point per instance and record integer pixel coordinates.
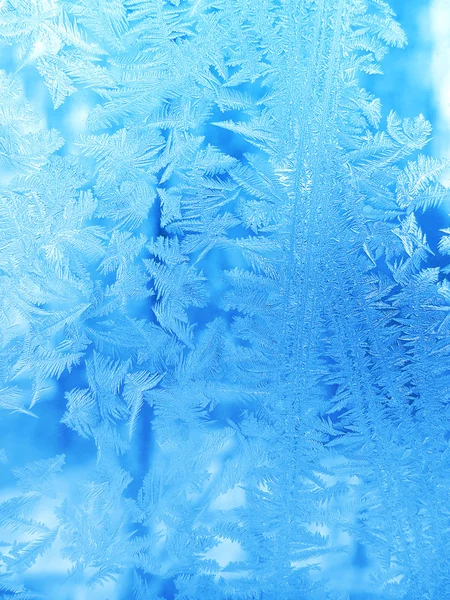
(224, 334)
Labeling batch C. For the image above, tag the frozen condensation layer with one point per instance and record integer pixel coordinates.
(224, 334)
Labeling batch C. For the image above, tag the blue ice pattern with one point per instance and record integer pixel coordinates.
(224, 306)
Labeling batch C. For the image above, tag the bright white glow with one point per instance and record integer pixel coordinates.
(39, 48)
(225, 552)
(440, 74)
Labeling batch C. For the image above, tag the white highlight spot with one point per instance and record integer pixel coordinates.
(225, 552)
(439, 22)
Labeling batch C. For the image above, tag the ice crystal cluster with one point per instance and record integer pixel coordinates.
(224, 334)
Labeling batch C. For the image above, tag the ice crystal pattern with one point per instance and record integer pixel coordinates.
(224, 333)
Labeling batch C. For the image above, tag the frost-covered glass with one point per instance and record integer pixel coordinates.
(224, 334)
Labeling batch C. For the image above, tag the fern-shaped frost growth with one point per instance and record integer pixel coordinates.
(224, 312)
